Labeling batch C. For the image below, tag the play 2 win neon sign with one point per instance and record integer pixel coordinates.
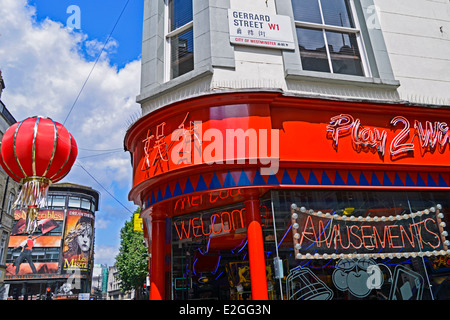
(431, 136)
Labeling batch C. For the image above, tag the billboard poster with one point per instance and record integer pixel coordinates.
(78, 242)
(26, 249)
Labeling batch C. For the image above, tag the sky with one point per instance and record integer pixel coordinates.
(47, 52)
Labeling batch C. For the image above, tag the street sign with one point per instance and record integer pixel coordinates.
(260, 29)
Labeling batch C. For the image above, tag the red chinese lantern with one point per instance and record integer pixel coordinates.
(36, 152)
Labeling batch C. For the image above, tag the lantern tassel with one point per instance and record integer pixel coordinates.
(32, 196)
(34, 192)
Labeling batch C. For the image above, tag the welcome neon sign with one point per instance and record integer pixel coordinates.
(210, 224)
(320, 235)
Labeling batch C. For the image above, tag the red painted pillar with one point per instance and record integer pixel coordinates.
(256, 250)
(157, 277)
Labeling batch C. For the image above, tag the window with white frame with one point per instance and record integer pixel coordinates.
(179, 38)
(328, 36)
(11, 199)
(3, 239)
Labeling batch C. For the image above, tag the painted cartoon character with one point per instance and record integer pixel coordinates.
(353, 275)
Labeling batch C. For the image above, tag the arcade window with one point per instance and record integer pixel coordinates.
(328, 36)
(179, 38)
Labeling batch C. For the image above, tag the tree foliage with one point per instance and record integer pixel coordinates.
(132, 260)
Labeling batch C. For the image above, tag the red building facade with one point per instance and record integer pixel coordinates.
(261, 195)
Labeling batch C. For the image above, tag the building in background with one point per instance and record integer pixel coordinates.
(114, 291)
(99, 283)
(294, 149)
(9, 189)
(61, 256)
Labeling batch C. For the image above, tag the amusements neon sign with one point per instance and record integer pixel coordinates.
(431, 136)
(320, 235)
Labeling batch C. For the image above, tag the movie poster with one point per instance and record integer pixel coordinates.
(78, 242)
(25, 249)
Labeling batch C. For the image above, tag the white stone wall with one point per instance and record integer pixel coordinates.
(417, 36)
(409, 43)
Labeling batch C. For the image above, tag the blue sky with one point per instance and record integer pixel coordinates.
(98, 18)
(44, 64)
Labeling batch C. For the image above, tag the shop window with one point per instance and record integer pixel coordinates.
(210, 253)
(349, 245)
(328, 37)
(179, 38)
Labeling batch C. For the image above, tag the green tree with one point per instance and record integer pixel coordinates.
(132, 260)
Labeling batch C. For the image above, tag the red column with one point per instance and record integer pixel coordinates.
(157, 285)
(256, 250)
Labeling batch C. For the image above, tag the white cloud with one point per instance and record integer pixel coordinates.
(44, 68)
(101, 223)
(105, 255)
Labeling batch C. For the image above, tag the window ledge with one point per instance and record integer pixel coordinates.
(341, 79)
(173, 84)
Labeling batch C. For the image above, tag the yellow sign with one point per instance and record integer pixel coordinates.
(137, 222)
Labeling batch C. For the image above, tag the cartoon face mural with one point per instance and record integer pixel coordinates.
(356, 276)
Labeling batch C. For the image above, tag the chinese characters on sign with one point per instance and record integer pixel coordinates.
(189, 143)
(262, 30)
(157, 151)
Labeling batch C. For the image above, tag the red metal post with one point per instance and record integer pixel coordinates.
(157, 277)
(256, 250)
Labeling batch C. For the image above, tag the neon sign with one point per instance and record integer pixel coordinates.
(205, 200)
(189, 143)
(210, 224)
(432, 136)
(318, 235)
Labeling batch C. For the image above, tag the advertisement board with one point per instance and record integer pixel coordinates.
(33, 255)
(78, 244)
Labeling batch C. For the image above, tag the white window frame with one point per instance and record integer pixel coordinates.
(11, 198)
(3, 242)
(326, 27)
(168, 35)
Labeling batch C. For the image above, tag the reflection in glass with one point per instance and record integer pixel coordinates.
(312, 50)
(182, 53)
(307, 11)
(180, 13)
(344, 53)
(337, 13)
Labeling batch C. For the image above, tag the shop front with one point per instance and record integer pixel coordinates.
(267, 196)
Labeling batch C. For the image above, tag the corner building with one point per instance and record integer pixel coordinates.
(294, 149)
